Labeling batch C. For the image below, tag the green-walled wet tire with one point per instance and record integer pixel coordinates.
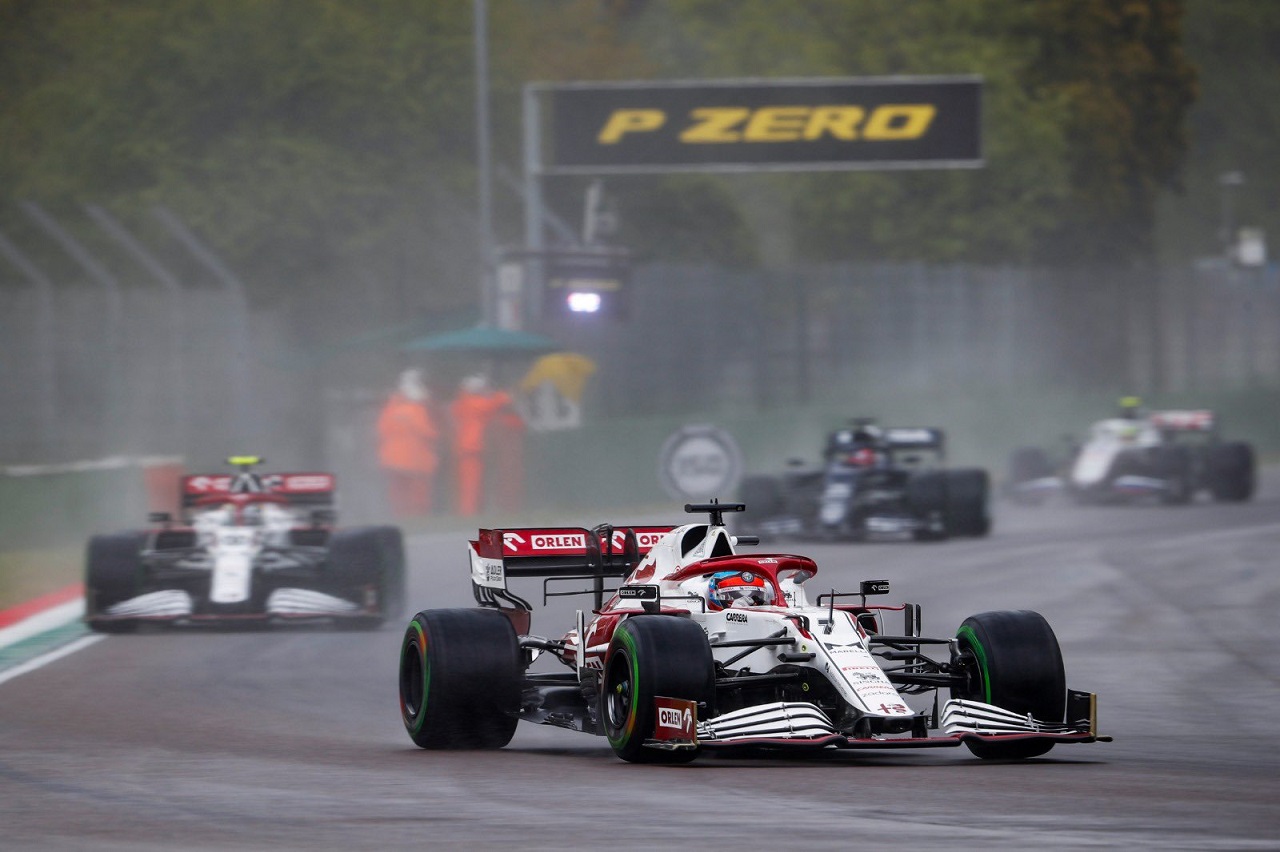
(460, 672)
(1017, 665)
(650, 656)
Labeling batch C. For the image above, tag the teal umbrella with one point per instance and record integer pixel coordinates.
(485, 341)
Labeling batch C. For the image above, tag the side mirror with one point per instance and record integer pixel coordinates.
(323, 516)
(159, 517)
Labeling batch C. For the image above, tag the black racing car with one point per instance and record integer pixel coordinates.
(873, 482)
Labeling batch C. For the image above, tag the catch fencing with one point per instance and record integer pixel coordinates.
(697, 338)
(196, 373)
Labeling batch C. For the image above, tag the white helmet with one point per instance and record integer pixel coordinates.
(412, 385)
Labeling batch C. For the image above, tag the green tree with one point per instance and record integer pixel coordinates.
(1119, 68)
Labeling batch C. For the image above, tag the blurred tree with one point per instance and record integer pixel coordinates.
(1085, 106)
(1233, 127)
(1120, 71)
(326, 148)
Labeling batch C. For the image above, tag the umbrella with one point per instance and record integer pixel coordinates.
(485, 341)
(567, 372)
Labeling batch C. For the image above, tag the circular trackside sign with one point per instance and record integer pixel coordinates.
(698, 462)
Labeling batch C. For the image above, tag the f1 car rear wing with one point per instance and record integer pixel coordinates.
(1184, 420)
(298, 489)
(560, 552)
(901, 438)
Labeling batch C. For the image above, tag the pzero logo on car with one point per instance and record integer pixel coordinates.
(728, 125)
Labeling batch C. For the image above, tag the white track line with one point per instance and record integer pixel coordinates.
(49, 657)
(43, 622)
(50, 619)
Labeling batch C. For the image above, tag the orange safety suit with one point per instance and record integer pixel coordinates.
(472, 413)
(407, 437)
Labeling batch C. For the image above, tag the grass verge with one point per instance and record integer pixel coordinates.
(28, 574)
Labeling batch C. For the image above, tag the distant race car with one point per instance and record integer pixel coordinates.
(873, 482)
(1166, 456)
(251, 548)
(702, 647)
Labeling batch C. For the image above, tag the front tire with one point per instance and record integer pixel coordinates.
(1015, 664)
(369, 557)
(113, 573)
(460, 672)
(1028, 464)
(391, 587)
(650, 656)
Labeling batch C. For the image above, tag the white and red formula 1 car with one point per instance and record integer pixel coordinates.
(250, 549)
(703, 647)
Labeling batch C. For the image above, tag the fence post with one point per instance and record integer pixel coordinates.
(48, 358)
(240, 375)
(100, 274)
(170, 282)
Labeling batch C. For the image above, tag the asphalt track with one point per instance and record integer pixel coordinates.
(293, 740)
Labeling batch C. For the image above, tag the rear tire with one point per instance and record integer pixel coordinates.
(763, 498)
(1174, 466)
(649, 656)
(113, 573)
(460, 672)
(967, 500)
(1233, 472)
(1016, 665)
(926, 496)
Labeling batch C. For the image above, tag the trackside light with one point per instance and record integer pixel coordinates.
(584, 303)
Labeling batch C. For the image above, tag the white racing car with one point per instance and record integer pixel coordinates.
(251, 548)
(703, 647)
(1168, 456)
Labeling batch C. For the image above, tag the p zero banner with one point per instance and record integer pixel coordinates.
(749, 125)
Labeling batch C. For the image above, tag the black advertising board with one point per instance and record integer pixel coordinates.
(749, 125)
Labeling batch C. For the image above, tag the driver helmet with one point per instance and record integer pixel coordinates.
(738, 588)
(862, 457)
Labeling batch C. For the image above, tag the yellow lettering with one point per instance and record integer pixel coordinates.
(899, 121)
(841, 122)
(776, 124)
(624, 121)
(715, 124)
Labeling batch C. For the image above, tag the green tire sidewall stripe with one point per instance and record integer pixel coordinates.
(625, 638)
(420, 648)
(966, 632)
